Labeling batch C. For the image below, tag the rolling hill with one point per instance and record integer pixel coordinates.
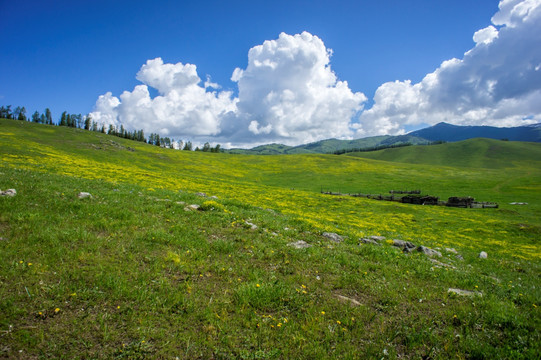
(331, 145)
(437, 133)
(472, 153)
(198, 255)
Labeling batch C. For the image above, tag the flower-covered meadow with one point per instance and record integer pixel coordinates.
(134, 272)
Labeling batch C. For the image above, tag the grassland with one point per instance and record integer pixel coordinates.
(129, 273)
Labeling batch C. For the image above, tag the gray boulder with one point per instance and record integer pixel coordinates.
(333, 237)
(369, 241)
(428, 251)
(406, 246)
(483, 255)
(8, 192)
(377, 238)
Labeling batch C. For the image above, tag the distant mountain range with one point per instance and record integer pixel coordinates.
(439, 132)
(450, 133)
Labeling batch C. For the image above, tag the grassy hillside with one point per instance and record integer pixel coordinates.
(330, 145)
(472, 153)
(129, 273)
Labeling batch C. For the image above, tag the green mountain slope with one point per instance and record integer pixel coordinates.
(331, 145)
(449, 132)
(133, 272)
(480, 152)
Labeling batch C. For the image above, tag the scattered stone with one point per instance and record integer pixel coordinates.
(406, 246)
(461, 292)
(83, 195)
(483, 255)
(518, 203)
(191, 207)
(202, 194)
(333, 237)
(377, 238)
(428, 251)
(180, 203)
(8, 192)
(3, 239)
(451, 250)
(251, 225)
(301, 244)
(369, 241)
(163, 200)
(214, 197)
(440, 264)
(351, 301)
(459, 257)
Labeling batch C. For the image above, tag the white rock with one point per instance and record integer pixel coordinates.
(191, 207)
(83, 195)
(483, 255)
(301, 244)
(464, 292)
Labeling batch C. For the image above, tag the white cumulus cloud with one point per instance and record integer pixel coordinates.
(497, 82)
(288, 93)
(183, 107)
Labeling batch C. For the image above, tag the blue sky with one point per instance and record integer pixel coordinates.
(65, 54)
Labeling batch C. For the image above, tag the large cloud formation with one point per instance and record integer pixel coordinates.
(498, 82)
(289, 94)
(182, 108)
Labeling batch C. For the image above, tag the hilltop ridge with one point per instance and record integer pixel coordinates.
(441, 132)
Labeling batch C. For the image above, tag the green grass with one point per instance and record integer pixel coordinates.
(134, 275)
(473, 153)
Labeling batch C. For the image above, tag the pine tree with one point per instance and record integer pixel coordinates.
(48, 117)
(35, 117)
(63, 119)
(88, 122)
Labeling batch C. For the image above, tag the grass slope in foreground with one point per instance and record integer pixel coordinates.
(130, 274)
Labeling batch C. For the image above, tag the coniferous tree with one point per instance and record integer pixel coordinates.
(188, 146)
(48, 117)
(6, 112)
(88, 122)
(35, 117)
(63, 119)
